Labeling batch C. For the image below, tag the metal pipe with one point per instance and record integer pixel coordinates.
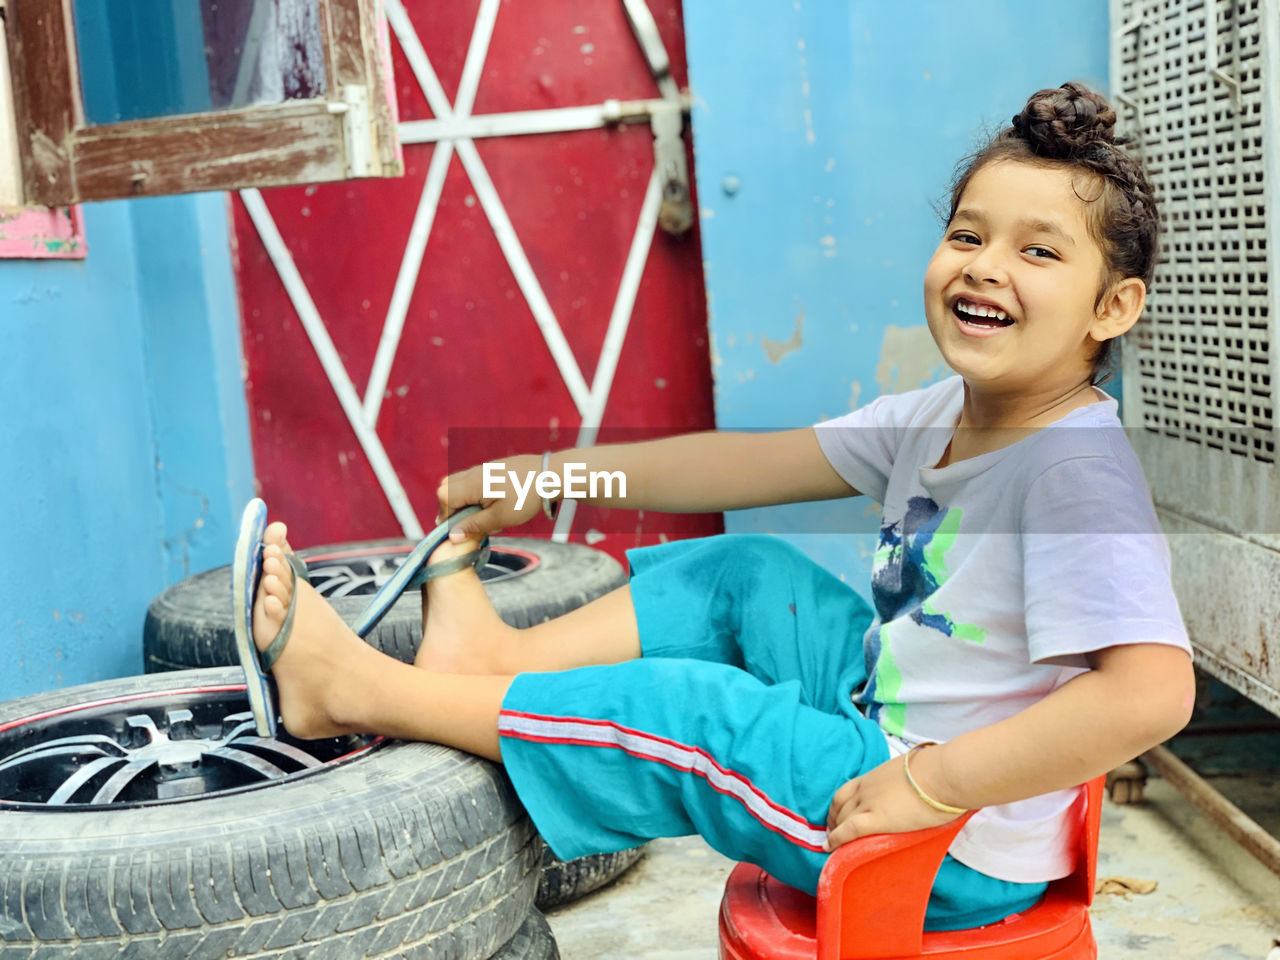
(1242, 727)
(1243, 829)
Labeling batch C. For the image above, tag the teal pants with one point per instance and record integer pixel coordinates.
(735, 724)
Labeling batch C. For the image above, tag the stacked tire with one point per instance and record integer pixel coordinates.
(528, 581)
(408, 850)
(411, 850)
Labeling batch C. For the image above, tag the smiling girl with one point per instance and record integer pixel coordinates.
(1024, 638)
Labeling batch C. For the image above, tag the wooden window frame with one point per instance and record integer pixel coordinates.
(350, 132)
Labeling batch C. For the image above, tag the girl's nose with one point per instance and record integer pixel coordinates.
(986, 267)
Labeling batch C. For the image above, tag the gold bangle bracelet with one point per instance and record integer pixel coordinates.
(906, 768)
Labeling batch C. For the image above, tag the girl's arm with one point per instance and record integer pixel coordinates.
(1136, 696)
(693, 473)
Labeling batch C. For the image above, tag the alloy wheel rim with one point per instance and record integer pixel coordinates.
(154, 748)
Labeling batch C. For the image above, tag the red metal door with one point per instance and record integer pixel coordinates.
(509, 294)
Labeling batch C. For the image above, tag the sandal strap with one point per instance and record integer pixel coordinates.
(269, 656)
(476, 558)
(408, 572)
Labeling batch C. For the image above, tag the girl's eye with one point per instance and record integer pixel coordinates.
(964, 237)
(1043, 253)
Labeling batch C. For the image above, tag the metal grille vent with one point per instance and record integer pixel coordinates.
(1189, 84)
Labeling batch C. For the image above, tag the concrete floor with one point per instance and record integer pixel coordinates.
(1212, 901)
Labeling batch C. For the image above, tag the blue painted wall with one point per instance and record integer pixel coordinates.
(824, 133)
(124, 450)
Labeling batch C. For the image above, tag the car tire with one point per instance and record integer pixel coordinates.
(409, 848)
(564, 881)
(189, 625)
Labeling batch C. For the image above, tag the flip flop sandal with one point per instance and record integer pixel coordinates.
(246, 572)
(415, 572)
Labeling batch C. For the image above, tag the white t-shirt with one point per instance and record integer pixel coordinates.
(992, 578)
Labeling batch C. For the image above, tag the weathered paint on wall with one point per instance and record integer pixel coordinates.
(909, 359)
(824, 135)
(122, 401)
(42, 233)
(204, 471)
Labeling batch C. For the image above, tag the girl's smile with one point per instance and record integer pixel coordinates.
(979, 317)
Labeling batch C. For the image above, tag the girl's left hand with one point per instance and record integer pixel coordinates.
(882, 801)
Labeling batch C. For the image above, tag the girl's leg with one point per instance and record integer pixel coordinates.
(606, 757)
(603, 757)
(754, 602)
(462, 633)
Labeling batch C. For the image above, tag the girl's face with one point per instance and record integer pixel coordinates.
(1010, 291)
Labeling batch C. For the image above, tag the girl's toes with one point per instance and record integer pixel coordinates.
(275, 588)
(275, 565)
(275, 534)
(268, 617)
(274, 608)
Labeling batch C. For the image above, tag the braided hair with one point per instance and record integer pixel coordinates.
(1074, 127)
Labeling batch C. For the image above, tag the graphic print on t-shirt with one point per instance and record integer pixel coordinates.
(910, 566)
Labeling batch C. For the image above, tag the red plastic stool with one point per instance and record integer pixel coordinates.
(871, 902)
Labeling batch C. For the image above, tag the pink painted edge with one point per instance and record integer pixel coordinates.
(43, 233)
(389, 80)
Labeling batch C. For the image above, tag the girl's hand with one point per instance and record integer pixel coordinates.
(882, 801)
(462, 489)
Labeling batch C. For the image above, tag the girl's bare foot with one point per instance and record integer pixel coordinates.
(318, 671)
(461, 632)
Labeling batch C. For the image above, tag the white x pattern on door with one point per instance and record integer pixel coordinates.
(454, 130)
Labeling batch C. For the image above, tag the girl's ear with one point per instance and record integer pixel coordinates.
(1120, 308)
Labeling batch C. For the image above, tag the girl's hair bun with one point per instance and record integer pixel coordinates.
(1066, 123)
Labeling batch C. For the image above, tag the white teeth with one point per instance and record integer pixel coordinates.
(977, 310)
